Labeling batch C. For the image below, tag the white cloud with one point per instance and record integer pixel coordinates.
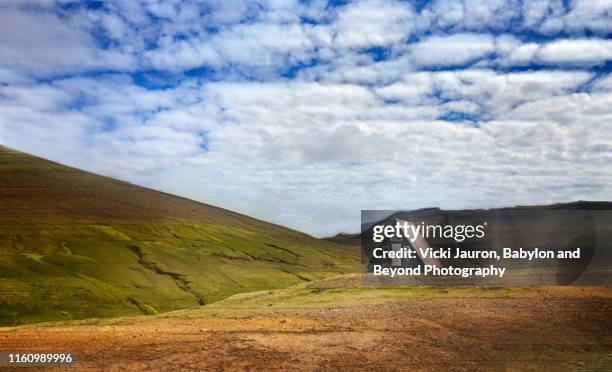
(249, 45)
(571, 110)
(574, 52)
(544, 16)
(41, 43)
(371, 23)
(473, 14)
(579, 51)
(604, 84)
(413, 88)
(495, 93)
(451, 50)
(499, 92)
(446, 13)
(593, 15)
(12, 77)
(512, 52)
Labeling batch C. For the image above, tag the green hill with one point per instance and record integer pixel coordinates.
(74, 245)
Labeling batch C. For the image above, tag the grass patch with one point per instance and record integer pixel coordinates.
(333, 292)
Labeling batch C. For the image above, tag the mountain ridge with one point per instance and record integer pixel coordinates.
(90, 177)
(347, 238)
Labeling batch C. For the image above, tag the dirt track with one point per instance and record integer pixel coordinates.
(568, 329)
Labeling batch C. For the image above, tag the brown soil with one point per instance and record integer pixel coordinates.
(542, 329)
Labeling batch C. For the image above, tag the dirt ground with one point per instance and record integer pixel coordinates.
(543, 329)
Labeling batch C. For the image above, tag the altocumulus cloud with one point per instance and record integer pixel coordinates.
(305, 112)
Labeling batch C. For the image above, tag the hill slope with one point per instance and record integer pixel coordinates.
(75, 244)
(352, 240)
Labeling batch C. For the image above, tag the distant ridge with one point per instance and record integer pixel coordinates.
(354, 238)
(345, 239)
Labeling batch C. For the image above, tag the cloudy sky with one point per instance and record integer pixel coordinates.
(305, 112)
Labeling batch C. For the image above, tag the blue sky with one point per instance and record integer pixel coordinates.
(305, 112)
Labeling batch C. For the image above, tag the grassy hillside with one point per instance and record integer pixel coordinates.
(339, 291)
(74, 245)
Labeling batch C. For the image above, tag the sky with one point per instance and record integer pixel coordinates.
(303, 113)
